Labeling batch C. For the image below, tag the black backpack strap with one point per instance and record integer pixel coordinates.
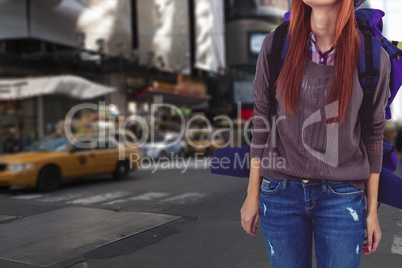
(275, 64)
(368, 76)
(368, 86)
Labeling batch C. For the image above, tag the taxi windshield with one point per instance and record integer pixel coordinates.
(59, 144)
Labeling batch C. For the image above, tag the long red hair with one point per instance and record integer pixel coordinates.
(347, 49)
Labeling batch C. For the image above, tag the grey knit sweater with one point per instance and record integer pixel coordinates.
(305, 146)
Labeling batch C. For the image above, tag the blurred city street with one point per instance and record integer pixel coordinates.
(110, 111)
(205, 229)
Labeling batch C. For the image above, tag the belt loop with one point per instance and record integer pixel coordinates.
(324, 185)
(285, 184)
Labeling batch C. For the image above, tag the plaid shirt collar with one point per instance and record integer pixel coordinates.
(315, 54)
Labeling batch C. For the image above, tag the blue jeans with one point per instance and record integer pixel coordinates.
(293, 213)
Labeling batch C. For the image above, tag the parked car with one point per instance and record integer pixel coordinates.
(204, 142)
(54, 158)
(164, 145)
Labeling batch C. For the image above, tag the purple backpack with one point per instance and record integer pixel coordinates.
(370, 23)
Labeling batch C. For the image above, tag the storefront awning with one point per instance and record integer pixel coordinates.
(171, 97)
(69, 85)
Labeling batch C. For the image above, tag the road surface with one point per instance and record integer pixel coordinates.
(167, 218)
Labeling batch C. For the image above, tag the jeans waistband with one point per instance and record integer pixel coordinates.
(323, 183)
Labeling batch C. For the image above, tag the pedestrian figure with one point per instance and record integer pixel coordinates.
(309, 174)
(398, 145)
(398, 140)
(22, 143)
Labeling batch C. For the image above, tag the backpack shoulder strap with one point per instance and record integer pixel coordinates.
(369, 64)
(275, 63)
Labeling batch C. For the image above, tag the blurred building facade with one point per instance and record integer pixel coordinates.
(198, 55)
(55, 54)
(247, 24)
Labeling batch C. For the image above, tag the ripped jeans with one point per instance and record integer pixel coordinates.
(293, 213)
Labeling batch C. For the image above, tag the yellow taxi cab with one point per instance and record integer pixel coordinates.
(204, 142)
(57, 157)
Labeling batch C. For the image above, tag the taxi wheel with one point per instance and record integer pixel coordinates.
(49, 179)
(121, 171)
